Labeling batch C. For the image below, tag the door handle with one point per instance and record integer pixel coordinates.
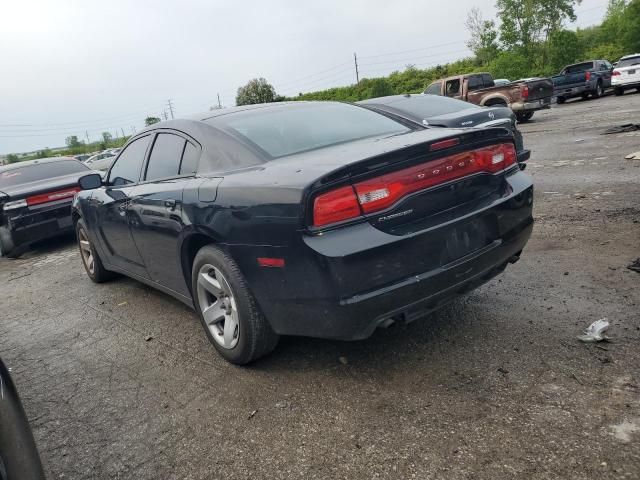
(170, 204)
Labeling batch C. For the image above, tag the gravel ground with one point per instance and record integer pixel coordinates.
(119, 381)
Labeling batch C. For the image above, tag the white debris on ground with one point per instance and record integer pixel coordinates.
(595, 332)
(633, 156)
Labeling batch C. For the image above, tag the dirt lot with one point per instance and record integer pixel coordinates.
(119, 381)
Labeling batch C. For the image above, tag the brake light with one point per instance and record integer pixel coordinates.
(615, 73)
(335, 206)
(587, 75)
(382, 192)
(524, 91)
(52, 196)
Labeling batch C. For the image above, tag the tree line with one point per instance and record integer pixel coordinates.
(528, 38)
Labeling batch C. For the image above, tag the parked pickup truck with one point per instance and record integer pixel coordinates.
(524, 97)
(582, 79)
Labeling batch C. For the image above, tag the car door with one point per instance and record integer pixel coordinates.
(156, 216)
(606, 69)
(112, 208)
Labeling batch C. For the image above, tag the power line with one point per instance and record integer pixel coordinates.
(296, 80)
(413, 50)
(414, 58)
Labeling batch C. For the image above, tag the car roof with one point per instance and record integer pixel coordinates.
(630, 56)
(37, 161)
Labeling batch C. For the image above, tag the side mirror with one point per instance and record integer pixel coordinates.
(90, 182)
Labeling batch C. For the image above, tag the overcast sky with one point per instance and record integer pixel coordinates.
(75, 67)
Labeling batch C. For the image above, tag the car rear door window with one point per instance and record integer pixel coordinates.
(165, 157)
(190, 159)
(433, 89)
(128, 165)
(474, 83)
(487, 81)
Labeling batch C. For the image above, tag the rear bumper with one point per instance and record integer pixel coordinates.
(532, 106)
(345, 283)
(575, 91)
(631, 83)
(32, 224)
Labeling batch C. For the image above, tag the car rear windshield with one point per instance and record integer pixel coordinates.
(627, 62)
(579, 68)
(289, 129)
(430, 106)
(39, 171)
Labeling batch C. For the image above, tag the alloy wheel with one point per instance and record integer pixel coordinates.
(86, 252)
(218, 306)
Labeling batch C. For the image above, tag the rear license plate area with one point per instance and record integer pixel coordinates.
(469, 237)
(631, 72)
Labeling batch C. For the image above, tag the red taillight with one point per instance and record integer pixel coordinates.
(271, 262)
(52, 196)
(382, 192)
(451, 142)
(524, 91)
(615, 73)
(335, 206)
(587, 75)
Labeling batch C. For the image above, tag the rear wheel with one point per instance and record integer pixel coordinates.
(228, 311)
(560, 100)
(619, 91)
(524, 116)
(7, 248)
(90, 258)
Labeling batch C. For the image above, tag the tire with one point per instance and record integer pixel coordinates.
(599, 91)
(585, 96)
(619, 92)
(235, 326)
(90, 258)
(7, 248)
(524, 117)
(560, 100)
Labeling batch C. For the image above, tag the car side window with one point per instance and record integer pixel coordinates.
(434, 89)
(453, 87)
(487, 81)
(165, 157)
(190, 158)
(127, 167)
(474, 83)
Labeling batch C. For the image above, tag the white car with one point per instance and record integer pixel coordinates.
(101, 161)
(626, 75)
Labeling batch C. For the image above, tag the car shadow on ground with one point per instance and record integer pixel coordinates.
(51, 245)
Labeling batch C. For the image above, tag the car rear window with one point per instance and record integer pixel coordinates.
(627, 62)
(39, 171)
(579, 68)
(431, 106)
(289, 129)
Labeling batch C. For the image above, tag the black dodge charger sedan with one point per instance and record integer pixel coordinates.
(438, 111)
(35, 201)
(319, 219)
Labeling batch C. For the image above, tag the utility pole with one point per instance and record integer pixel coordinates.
(355, 60)
(86, 132)
(170, 108)
(133, 129)
(122, 130)
(164, 114)
(219, 104)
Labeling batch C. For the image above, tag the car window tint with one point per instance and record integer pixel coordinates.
(487, 80)
(165, 157)
(453, 87)
(293, 128)
(190, 159)
(426, 106)
(474, 82)
(579, 68)
(129, 163)
(434, 89)
(40, 171)
(627, 62)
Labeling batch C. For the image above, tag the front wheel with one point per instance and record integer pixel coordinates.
(524, 116)
(228, 311)
(90, 258)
